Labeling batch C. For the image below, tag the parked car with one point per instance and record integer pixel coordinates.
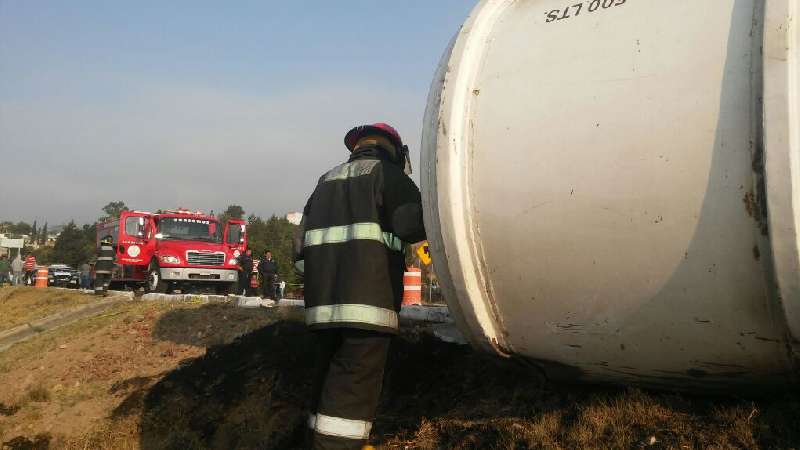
(62, 275)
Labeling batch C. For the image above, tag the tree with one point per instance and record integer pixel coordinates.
(22, 228)
(34, 232)
(44, 255)
(15, 229)
(89, 233)
(232, 212)
(70, 246)
(43, 235)
(275, 234)
(113, 209)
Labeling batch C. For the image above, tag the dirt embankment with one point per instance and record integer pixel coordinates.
(20, 305)
(59, 390)
(156, 376)
(250, 395)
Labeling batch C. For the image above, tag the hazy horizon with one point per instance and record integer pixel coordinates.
(201, 106)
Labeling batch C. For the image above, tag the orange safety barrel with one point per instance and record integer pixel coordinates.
(254, 275)
(41, 277)
(412, 286)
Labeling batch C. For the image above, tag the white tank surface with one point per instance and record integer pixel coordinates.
(612, 188)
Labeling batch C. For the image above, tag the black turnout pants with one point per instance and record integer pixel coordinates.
(347, 386)
(101, 282)
(268, 286)
(244, 284)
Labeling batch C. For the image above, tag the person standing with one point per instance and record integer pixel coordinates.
(281, 289)
(245, 262)
(350, 250)
(16, 269)
(268, 269)
(5, 269)
(104, 266)
(30, 268)
(86, 276)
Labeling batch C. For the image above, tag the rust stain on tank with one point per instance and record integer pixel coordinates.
(750, 203)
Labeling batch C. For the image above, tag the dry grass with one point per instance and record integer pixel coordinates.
(28, 351)
(20, 304)
(527, 416)
(118, 435)
(37, 393)
(151, 376)
(62, 388)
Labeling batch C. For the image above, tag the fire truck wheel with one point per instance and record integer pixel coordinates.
(154, 281)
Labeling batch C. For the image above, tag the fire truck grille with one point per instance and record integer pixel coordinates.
(205, 259)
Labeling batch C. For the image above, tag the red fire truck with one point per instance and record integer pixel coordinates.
(175, 250)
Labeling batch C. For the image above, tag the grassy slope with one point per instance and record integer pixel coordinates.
(20, 305)
(62, 386)
(144, 375)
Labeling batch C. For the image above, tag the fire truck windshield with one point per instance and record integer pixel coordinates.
(188, 229)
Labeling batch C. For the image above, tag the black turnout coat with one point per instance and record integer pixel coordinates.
(351, 244)
(105, 260)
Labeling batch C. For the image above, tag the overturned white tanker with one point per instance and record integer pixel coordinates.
(612, 188)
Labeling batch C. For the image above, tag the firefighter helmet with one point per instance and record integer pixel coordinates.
(352, 136)
(383, 129)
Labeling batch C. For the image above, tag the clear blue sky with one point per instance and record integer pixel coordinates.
(201, 104)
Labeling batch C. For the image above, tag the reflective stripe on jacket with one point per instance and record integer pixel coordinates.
(351, 242)
(105, 260)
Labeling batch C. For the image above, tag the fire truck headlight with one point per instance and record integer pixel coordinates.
(170, 259)
(232, 262)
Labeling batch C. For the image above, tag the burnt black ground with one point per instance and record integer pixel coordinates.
(250, 394)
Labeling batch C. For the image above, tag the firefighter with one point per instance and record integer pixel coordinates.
(350, 250)
(245, 263)
(268, 269)
(103, 266)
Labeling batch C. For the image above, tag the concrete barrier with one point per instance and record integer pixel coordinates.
(419, 313)
(186, 298)
(254, 302)
(125, 294)
(426, 313)
(291, 302)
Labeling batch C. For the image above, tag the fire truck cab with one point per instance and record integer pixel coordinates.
(177, 249)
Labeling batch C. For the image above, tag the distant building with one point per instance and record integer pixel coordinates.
(7, 244)
(294, 218)
(51, 240)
